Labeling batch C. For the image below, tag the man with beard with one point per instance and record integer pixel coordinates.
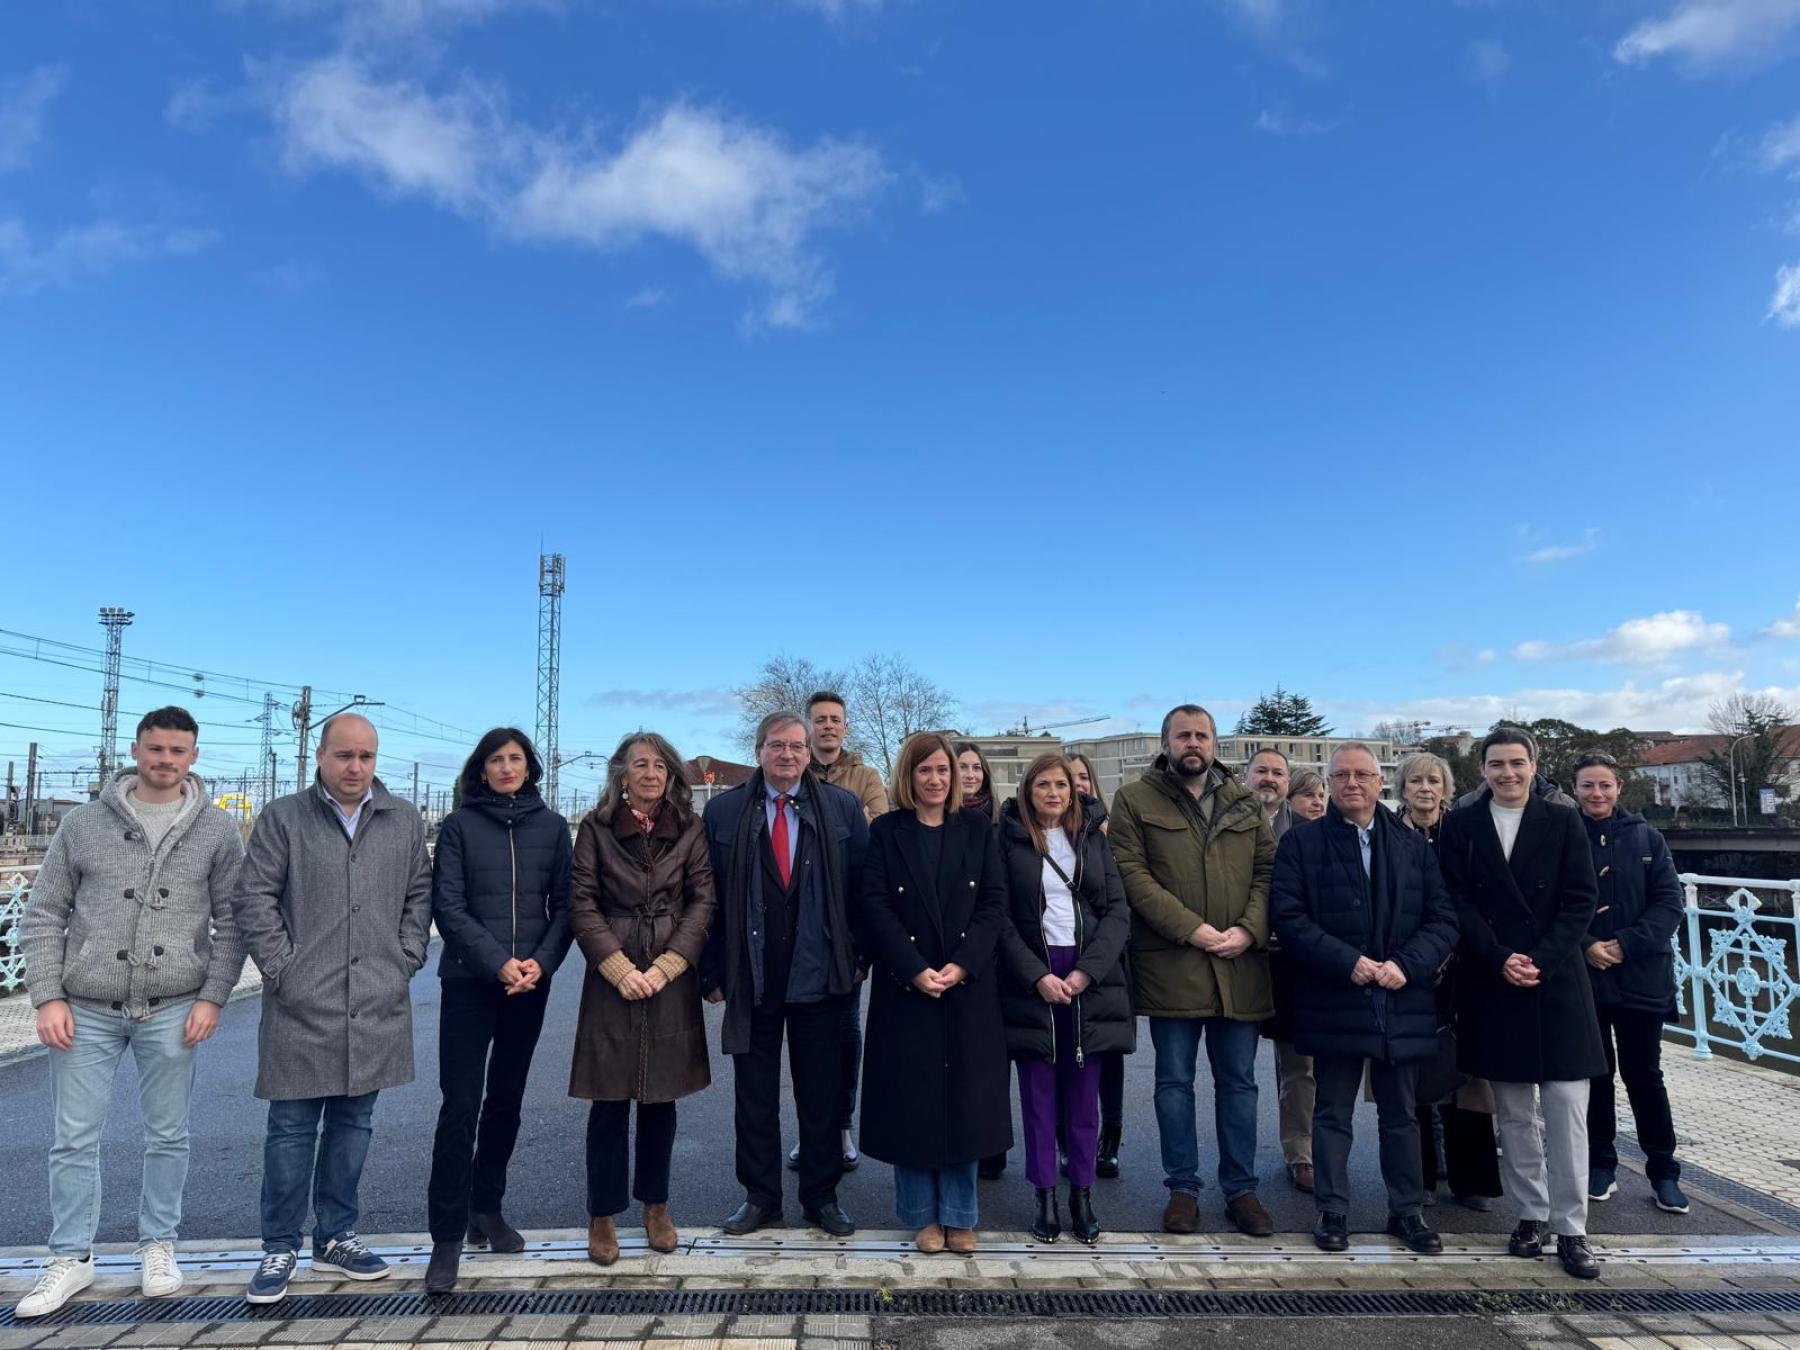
(1267, 775)
(1196, 855)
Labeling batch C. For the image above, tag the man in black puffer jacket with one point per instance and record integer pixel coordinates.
(1362, 912)
(1632, 969)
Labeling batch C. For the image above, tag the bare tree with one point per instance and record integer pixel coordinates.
(782, 685)
(889, 702)
(1755, 755)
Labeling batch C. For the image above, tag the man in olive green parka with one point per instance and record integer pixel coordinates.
(1196, 854)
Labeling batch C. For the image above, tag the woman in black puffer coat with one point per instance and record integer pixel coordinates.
(500, 897)
(1632, 969)
(1064, 993)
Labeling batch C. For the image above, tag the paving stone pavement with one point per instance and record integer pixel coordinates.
(1738, 1120)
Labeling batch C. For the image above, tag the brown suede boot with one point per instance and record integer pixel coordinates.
(603, 1241)
(660, 1228)
(960, 1241)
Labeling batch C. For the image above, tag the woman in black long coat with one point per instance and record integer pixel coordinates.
(1063, 989)
(931, 909)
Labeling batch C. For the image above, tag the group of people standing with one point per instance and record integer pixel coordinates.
(1436, 955)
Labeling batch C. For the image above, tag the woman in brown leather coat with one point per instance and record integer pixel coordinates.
(640, 903)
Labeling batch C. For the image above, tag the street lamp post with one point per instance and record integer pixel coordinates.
(1731, 778)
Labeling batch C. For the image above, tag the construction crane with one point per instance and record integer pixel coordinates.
(1026, 729)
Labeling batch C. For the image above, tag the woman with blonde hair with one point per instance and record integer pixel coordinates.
(640, 907)
(1471, 1160)
(933, 906)
(1307, 796)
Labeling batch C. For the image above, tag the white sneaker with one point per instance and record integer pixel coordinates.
(63, 1278)
(162, 1273)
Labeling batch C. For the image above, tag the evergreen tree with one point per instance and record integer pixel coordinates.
(1282, 714)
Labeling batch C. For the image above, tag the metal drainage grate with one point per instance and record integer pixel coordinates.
(1725, 1188)
(929, 1303)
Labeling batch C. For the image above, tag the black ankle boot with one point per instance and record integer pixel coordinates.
(1106, 1164)
(1082, 1222)
(1048, 1223)
(495, 1233)
(440, 1275)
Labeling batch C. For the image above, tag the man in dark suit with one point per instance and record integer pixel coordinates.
(1362, 913)
(1522, 876)
(786, 850)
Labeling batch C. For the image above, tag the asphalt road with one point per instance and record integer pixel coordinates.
(1239, 1333)
(546, 1188)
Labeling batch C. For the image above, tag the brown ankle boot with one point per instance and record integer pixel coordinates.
(603, 1241)
(660, 1228)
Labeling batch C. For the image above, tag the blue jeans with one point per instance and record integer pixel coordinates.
(944, 1195)
(1231, 1051)
(298, 1158)
(81, 1080)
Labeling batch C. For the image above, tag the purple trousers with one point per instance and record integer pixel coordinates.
(1063, 1091)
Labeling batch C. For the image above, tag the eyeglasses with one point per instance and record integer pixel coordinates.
(1354, 776)
(779, 746)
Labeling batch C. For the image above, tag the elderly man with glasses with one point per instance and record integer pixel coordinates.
(1362, 911)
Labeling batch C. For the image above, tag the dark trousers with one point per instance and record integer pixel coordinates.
(1339, 1078)
(816, 1065)
(1633, 1041)
(1112, 1092)
(485, 1042)
(315, 1146)
(608, 1151)
(1471, 1159)
(852, 1066)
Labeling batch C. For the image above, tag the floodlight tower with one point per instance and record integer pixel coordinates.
(114, 621)
(552, 577)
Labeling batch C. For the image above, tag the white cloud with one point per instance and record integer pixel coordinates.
(1712, 33)
(84, 252)
(1280, 27)
(1484, 62)
(1555, 553)
(649, 297)
(1784, 304)
(710, 701)
(23, 99)
(1279, 120)
(738, 194)
(1788, 627)
(1780, 147)
(1649, 641)
(838, 11)
(1678, 704)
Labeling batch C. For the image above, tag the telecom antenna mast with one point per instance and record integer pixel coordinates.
(552, 577)
(114, 621)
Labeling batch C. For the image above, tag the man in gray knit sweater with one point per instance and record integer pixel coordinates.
(129, 944)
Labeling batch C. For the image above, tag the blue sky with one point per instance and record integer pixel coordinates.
(1433, 359)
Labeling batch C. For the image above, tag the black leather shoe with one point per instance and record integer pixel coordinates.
(1106, 1160)
(1415, 1233)
(1332, 1232)
(1082, 1223)
(1047, 1227)
(831, 1217)
(992, 1167)
(495, 1233)
(440, 1275)
(750, 1216)
(1528, 1238)
(1577, 1258)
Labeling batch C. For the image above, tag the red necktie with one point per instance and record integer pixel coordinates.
(778, 840)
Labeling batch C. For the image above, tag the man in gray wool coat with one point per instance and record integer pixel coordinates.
(334, 906)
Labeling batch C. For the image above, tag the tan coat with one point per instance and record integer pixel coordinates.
(644, 897)
(851, 774)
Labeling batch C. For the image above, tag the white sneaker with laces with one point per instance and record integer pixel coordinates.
(63, 1278)
(162, 1272)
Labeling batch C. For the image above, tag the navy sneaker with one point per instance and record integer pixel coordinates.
(348, 1257)
(1669, 1198)
(1602, 1184)
(269, 1284)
